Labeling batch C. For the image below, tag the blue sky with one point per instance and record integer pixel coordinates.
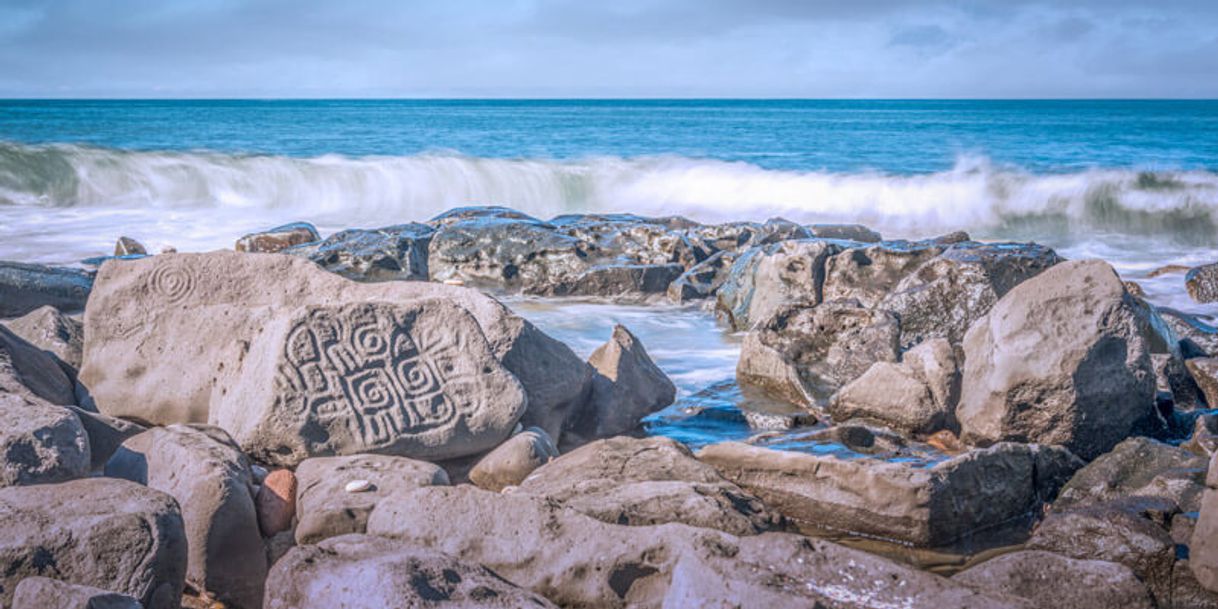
(619, 48)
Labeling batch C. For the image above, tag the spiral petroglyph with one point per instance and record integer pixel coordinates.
(172, 281)
(371, 370)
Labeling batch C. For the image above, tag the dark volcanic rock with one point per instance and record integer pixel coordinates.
(393, 252)
(277, 239)
(25, 287)
(763, 280)
(459, 214)
(513, 254)
(614, 280)
(1197, 338)
(1204, 371)
(703, 279)
(740, 236)
(846, 232)
(101, 532)
(868, 274)
(126, 246)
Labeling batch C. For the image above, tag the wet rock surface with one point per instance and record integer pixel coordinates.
(392, 252)
(274, 240)
(25, 287)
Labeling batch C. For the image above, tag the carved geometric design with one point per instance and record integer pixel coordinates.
(171, 281)
(372, 370)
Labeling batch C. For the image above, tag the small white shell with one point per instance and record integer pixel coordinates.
(453, 282)
(357, 486)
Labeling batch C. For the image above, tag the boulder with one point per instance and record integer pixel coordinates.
(766, 279)
(325, 509)
(507, 253)
(1204, 439)
(52, 331)
(917, 395)
(1130, 532)
(634, 239)
(1202, 283)
(930, 504)
(105, 433)
(577, 561)
(204, 471)
(28, 371)
(1197, 338)
(845, 232)
(628, 387)
(458, 214)
(1204, 371)
(25, 287)
(614, 280)
(277, 239)
(511, 462)
(737, 237)
(39, 442)
(146, 317)
(275, 502)
(99, 532)
(126, 246)
(648, 481)
(703, 279)
(802, 355)
(1052, 580)
(413, 379)
(393, 252)
(868, 274)
(1138, 467)
(1203, 555)
(1063, 358)
(361, 571)
(44, 593)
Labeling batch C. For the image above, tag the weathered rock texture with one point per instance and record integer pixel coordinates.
(204, 471)
(917, 395)
(100, 532)
(25, 287)
(1052, 580)
(392, 252)
(40, 442)
(52, 331)
(1061, 359)
(45, 593)
(1202, 282)
(28, 371)
(278, 238)
(1203, 558)
(628, 387)
(511, 462)
(1138, 467)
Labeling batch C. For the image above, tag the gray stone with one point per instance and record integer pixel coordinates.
(1203, 556)
(413, 379)
(459, 214)
(629, 386)
(39, 442)
(847, 232)
(868, 274)
(126, 246)
(276, 239)
(512, 254)
(360, 571)
(47, 593)
(766, 279)
(324, 509)
(577, 561)
(389, 253)
(618, 281)
(703, 279)
(1202, 283)
(105, 433)
(1204, 439)
(917, 395)
(100, 532)
(648, 481)
(1204, 371)
(25, 287)
(1138, 467)
(204, 471)
(803, 355)
(52, 331)
(511, 462)
(29, 371)
(1052, 580)
(1197, 338)
(1063, 358)
(924, 504)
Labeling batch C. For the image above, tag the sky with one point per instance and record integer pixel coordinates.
(609, 48)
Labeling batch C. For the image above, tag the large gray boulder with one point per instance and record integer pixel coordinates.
(148, 315)
(1053, 580)
(648, 481)
(25, 287)
(358, 571)
(628, 387)
(803, 355)
(389, 253)
(509, 253)
(204, 471)
(44, 592)
(702, 280)
(50, 330)
(99, 532)
(414, 380)
(324, 506)
(917, 395)
(40, 442)
(1063, 358)
(28, 371)
(577, 561)
(869, 274)
(929, 504)
(1138, 467)
(765, 279)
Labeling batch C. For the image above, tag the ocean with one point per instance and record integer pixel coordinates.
(1133, 182)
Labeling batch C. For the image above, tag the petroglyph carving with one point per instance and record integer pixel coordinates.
(172, 281)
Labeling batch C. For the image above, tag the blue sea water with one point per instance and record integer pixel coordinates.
(1133, 182)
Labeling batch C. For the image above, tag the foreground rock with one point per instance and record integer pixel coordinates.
(99, 532)
(362, 571)
(922, 504)
(1052, 580)
(27, 371)
(326, 509)
(648, 481)
(1062, 359)
(1138, 467)
(1202, 283)
(576, 561)
(146, 314)
(43, 592)
(383, 254)
(278, 238)
(204, 471)
(25, 287)
(52, 331)
(40, 442)
(1203, 558)
(511, 462)
(628, 387)
(416, 380)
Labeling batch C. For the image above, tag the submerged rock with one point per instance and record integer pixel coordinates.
(100, 532)
(393, 252)
(363, 571)
(1052, 580)
(1061, 359)
(922, 504)
(628, 387)
(1202, 283)
(25, 287)
(276, 239)
(511, 462)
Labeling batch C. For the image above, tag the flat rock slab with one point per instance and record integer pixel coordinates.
(922, 504)
(110, 534)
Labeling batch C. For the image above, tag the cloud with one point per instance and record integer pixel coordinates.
(652, 48)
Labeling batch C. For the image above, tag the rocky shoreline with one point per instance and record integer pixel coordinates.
(359, 421)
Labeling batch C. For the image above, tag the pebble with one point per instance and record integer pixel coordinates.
(453, 282)
(358, 486)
